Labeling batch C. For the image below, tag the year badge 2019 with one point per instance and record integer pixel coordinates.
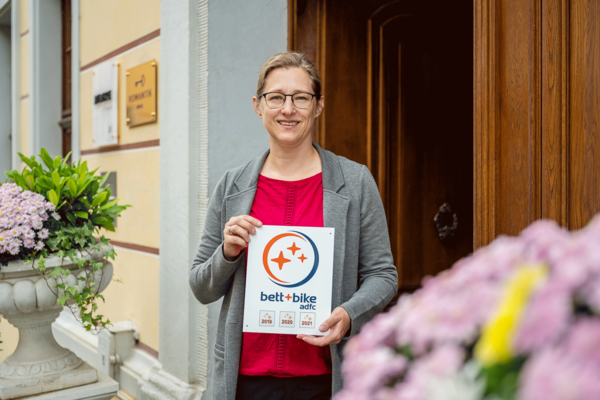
(288, 280)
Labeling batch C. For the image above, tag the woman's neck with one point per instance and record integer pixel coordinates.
(292, 164)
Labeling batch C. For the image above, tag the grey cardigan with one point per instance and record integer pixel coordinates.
(364, 276)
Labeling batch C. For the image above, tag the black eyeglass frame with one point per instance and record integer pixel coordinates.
(285, 99)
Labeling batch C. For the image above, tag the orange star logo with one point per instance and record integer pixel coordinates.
(288, 297)
(280, 260)
(302, 258)
(293, 248)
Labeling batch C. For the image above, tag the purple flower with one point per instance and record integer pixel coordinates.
(546, 317)
(552, 374)
(56, 216)
(583, 341)
(39, 245)
(372, 370)
(21, 214)
(43, 234)
(442, 362)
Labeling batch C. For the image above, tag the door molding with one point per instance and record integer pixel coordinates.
(509, 91)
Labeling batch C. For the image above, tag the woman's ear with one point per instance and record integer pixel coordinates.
(319, 107)
(256, 104)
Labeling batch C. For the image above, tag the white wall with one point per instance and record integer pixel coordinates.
(242, 35)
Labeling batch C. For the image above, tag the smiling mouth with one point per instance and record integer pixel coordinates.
(286, 123)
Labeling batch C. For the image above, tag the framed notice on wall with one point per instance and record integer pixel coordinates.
(288, 280)
(104, 103)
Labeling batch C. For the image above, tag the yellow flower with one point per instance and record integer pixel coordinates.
(496, 343)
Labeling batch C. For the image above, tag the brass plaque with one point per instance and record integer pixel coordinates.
(141, 94)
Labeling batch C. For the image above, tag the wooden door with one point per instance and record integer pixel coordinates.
(398, 97)
(537, 114)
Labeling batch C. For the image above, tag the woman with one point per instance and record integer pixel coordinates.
(294, 183)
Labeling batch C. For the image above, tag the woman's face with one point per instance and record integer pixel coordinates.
(288, 126)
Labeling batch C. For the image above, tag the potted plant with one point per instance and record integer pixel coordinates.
(518, 319)
(52, 254)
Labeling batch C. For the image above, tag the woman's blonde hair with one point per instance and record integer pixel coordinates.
(289, 60)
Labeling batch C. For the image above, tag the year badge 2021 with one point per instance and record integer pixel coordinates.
(288, 280)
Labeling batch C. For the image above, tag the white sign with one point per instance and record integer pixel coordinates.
(105, 102)
(288, 280)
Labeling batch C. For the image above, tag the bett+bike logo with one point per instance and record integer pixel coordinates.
(298, 269)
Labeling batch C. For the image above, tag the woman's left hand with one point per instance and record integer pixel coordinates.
(338, 322)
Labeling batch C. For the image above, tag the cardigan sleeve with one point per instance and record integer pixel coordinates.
(211, 273)
(377, 275)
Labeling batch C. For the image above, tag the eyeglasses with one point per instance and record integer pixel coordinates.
(277, 100)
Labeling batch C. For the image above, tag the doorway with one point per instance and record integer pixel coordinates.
(398, 85)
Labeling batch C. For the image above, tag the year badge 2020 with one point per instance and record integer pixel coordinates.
(288, 280)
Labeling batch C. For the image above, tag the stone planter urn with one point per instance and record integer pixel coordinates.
(27, 301)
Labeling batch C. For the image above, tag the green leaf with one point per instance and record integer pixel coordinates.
(501, 379)
(81, 181)
(102, 220)
(72, 290)
(109, 204)
(30, 182)
(81, 214)
(45, 182)
(99, 198)
(115, 209)
(86, 182)
(46, 158)
(104, 178)
(56, 179)
(53, 197)
(71, 218)
(53, 244)
(38, 171)
(10, 174)
(66, 158)
(30, 164)
(61, 300)
(83, 168)
(109, 227)
(72, 187)
(18, 179)
(56, 162)
(87, 318)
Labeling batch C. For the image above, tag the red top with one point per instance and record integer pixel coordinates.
(295, 203)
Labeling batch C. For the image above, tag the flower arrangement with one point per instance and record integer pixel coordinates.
(518, 319)
(22, 215)
(59, 208)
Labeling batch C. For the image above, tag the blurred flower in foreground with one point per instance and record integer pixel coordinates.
(518, 319)
(495, 345)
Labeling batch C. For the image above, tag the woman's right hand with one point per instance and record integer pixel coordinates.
(237, 235)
